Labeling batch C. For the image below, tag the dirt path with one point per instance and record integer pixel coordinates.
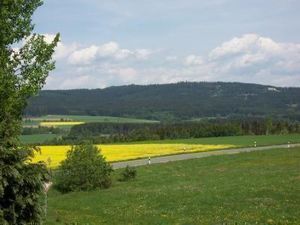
(170, 158)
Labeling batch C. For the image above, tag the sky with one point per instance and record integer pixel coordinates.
(116, 42)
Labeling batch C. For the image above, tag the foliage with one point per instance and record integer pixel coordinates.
(23, 71)
(128, 173)
(21, 186)
(111, 132)
(83, 169)
(169, 102)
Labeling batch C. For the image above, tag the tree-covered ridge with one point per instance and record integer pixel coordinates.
(183, 100)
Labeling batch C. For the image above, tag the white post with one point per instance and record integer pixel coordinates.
(149, 160)
(46, 189)
(46, 204)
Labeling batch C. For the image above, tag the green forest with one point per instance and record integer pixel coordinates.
(171, 102)
(132, 132)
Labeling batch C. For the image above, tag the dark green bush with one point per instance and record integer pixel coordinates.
(128, 174)
(84, 169)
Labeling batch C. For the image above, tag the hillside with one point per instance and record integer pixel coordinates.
(186, 100)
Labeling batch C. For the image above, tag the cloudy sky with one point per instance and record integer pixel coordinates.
(117, 42)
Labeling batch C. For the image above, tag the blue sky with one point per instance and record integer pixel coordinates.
(119, 42)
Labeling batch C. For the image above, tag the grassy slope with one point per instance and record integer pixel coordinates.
(248, 188)
(36, 138)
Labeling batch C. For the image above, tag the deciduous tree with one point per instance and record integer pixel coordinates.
(84, 169)
(25, 61)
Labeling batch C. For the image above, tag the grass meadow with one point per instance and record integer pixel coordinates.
(243, 141)
(37, 138)
(244, 189)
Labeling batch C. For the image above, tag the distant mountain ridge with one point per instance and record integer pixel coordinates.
(184, 100)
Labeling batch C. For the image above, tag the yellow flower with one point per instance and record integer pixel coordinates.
(53, 155)
(57, 124)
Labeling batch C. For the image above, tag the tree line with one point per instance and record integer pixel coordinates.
(112, 132)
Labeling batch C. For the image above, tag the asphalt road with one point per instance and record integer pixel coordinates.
(171, 158)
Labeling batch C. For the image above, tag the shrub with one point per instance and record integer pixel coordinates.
(84, 169)
(128, 174)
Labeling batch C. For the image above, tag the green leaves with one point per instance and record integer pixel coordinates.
(15, 19)
(84, 169)
(33, 64)
(128, 173)
(21, 186)
(23, 72)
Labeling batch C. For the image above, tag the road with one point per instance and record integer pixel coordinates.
(196, 155)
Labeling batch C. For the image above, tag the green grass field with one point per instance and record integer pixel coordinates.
(241, 141)
(248, 188)
(34, 121)
(37, 138)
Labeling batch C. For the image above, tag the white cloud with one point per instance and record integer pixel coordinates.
(107, 51)
(61, 51)
(249, 58)
(143, 53)
(252, 58)
(171, 58)
(84, 56)
(127, 74)
(123, 54)
(193, 60)
(234, 46)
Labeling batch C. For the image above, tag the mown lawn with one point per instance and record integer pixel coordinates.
(248, 188)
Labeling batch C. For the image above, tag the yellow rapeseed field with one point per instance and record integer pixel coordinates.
(53, 155)
(58, 123)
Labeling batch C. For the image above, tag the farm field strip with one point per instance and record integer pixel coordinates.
(53, 155)
(37, 138)
(58, 124)
(71, 120)
(128, 151)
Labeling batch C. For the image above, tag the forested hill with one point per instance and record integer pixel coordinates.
(184, 100)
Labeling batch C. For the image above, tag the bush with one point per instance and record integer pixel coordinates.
(84, 169)
(128, 174)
